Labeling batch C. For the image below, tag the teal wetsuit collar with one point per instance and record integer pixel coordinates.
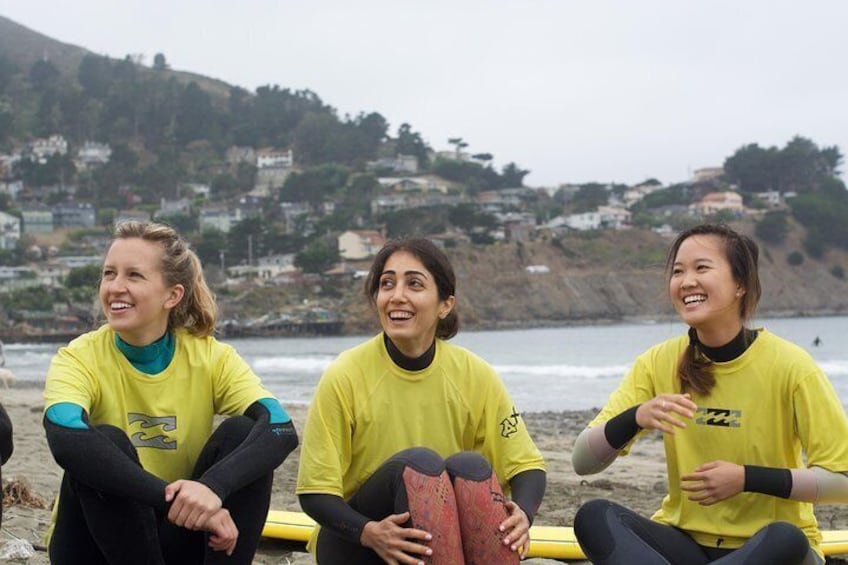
(150, 359)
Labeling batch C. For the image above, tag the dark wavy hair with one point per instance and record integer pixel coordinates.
(434, 260)
(694, 368)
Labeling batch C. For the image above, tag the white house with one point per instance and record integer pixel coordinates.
(37, 218)
(41, 149)
(360, 244)
(10, 230)
(219, 218)
(399, 164)
(584, 222)
(93, 154)
(271, 158)
(715, 202)
(614, 217)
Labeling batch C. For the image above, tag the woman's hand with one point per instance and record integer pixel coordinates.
(517, 529)
(713, 482)
(391, 541)
(662, 413)
(193, 504)
(223, 532)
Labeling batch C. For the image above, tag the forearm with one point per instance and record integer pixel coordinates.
(91, 458)
(6, 445)
(528, 489)
(814, 484)
(596, 448)
(332, 512)
(263, 450)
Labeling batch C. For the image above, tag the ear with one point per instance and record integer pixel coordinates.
(446, 307)
(175, 296)
(740, 292)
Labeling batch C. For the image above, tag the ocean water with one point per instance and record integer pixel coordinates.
(544, 369)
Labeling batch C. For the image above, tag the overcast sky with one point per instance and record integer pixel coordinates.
(574, 91)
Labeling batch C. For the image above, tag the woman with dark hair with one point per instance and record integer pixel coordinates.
(411, 441)
(748, 422)
(129, 414)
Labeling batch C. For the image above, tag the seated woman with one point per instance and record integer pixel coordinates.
(129, 415)
(741, 411)
(388, 412)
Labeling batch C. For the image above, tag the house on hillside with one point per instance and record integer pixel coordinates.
(398, 164)
(132, 215)
(221, 218)
(40, 150)
(360, 244)
(715, 202)
(37, 218)
(74, 215)
(93, 154)
(707, 173)
(613, 217)
(10, 230)
(236, 155)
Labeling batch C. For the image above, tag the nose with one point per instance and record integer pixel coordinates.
(398, 293)
(688, 280)
(115, 285)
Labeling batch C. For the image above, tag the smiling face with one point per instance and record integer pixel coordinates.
(133, 292)
(703, 290)
(408, 303)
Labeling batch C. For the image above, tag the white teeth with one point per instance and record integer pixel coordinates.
(400, 315)
(692, 299)
(120, 305)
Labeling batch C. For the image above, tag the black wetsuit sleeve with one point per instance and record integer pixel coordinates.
(93, 459)
(263, 450)
(620, 429)
(6, 445)
(768, 480)
(528, 488)
(332, 512)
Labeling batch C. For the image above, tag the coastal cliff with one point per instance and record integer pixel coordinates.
(617, 276)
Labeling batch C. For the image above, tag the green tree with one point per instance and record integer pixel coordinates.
(773, 228)
(315, 185)
(317, 257)
(795, 258)
(588, 197)
(512, 176)
(43, 75)
(95, 75)
(87, 277)
(159, 62)
(409, 142)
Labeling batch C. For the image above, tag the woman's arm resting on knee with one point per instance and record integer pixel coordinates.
(90, 457)
(333, 513)
(267, 445)
(528, 489)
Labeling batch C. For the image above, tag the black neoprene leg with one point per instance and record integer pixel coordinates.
(610, 534)
(383, 494)
(779, 543)
(96, 528)
(247, 506)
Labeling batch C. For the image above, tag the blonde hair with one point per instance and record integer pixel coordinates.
(197, 311)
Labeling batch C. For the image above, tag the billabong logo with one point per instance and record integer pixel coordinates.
(146, 437)
(509, 425)
(718, 417)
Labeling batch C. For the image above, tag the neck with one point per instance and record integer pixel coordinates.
(716, 337)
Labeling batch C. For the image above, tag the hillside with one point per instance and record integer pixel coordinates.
(614, 276)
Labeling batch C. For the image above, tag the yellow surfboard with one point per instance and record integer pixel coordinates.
(551, 542)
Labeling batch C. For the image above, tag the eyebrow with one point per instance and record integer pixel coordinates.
(407, 273)
(697, 260)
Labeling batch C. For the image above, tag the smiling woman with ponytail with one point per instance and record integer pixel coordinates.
(747, 420)
(129, 417)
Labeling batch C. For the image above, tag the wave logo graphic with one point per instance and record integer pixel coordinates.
(718, 417)
(149, 425)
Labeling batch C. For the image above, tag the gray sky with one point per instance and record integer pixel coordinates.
(574, 91)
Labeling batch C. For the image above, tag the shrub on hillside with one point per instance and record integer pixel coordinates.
(795, 258)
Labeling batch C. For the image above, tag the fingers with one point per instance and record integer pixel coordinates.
(665, 411)
(516, 526)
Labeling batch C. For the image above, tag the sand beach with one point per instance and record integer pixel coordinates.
(638, 481)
